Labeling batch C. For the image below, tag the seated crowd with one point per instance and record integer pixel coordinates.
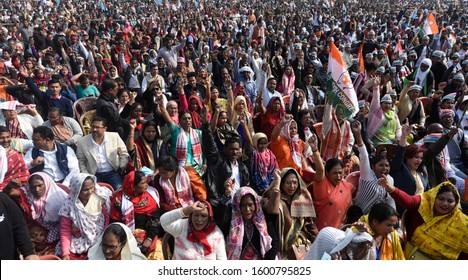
(118, 141)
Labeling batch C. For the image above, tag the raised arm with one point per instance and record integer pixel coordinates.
(364, 165)
(259, 104)
(271, 201)
(207, 99)
(131, 136)
(401, 198)
(398, 158)
(275, 134)
(375, 103)
(319, 168)
(164, 112)
(215, 116)
(230, 104)
(246, 130)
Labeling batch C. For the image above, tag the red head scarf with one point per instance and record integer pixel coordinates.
(200, 235)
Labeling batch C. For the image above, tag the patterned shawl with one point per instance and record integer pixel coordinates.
(236, 233)
(144, 204)
(181, 147)
(183, 188)
(90, 224)
(263, 164)
(336, 137)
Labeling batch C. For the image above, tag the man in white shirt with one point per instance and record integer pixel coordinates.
(270, 91)
(103, 154)
(58, 161)
(170, 53)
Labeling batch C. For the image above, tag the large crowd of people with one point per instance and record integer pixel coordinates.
(205, 129)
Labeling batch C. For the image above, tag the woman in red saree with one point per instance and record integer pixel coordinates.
(137, 206)
(271, 115)
(41, 201)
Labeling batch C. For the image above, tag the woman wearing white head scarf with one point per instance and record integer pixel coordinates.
(332, 243)
(117, 243)
(424, 77)
(84, 216)
(41, 201)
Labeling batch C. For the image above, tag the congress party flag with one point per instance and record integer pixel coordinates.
(430, 25)
(398, 48)
(340, 90)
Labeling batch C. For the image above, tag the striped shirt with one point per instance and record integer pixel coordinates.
(369, 192)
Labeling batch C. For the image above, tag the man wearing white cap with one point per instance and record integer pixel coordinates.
(410, 106)
(246, 76)
(422, 50)
(423, 76)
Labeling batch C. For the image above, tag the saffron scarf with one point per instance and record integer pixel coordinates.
(443, 237)
(183, 188)
(236, 233)
(391, 246)
(199, 236)
(182, 147)
(293, 142)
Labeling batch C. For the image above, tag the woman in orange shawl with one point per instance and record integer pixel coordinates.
(287, 147)
(137, 205)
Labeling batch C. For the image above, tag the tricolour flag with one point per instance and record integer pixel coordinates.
(398, 48)
(430, 25)
(340, 90)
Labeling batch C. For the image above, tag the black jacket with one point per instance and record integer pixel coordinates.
(219, 168)
(106, 108)
(13, 231)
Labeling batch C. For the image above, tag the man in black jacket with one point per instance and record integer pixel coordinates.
(106, 108)
(225, 169)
